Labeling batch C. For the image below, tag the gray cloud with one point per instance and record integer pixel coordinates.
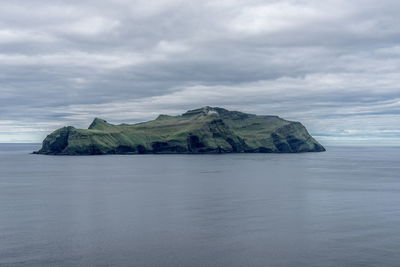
(333, 65)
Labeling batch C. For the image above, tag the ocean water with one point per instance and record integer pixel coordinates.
(337, 208)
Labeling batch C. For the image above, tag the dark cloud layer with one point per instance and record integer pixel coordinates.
(333, 65)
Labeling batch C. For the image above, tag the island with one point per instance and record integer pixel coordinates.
(203, 130)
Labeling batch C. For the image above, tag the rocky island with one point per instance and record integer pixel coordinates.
(204, 130)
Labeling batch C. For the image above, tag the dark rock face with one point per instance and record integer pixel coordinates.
(57, 141)
(204, 130)
(167, 147)
(141, 149)
(194, 143)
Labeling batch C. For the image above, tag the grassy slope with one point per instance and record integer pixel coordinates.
(197, 131)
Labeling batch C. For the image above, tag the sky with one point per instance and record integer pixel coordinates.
(333, 65)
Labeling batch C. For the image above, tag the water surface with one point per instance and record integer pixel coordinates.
(337, 208)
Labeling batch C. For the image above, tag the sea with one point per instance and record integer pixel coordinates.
(336, 208)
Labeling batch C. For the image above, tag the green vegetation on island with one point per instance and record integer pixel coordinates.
(204, 130)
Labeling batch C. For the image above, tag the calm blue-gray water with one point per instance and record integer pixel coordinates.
(337, 208)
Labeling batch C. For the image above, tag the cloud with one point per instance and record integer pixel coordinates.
(274, 17)
(333, 65)
(18, 36)
(90, 26)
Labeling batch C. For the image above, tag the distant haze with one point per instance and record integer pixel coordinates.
(333, 65)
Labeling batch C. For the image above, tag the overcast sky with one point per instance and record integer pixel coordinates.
(333, 65)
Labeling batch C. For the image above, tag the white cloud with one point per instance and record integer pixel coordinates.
(144, 8)
(273, 17)
(76, 58)
(170, 47)
(18, 36)
(90, 26)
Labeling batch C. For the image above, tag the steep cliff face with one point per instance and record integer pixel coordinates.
(204, 130)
